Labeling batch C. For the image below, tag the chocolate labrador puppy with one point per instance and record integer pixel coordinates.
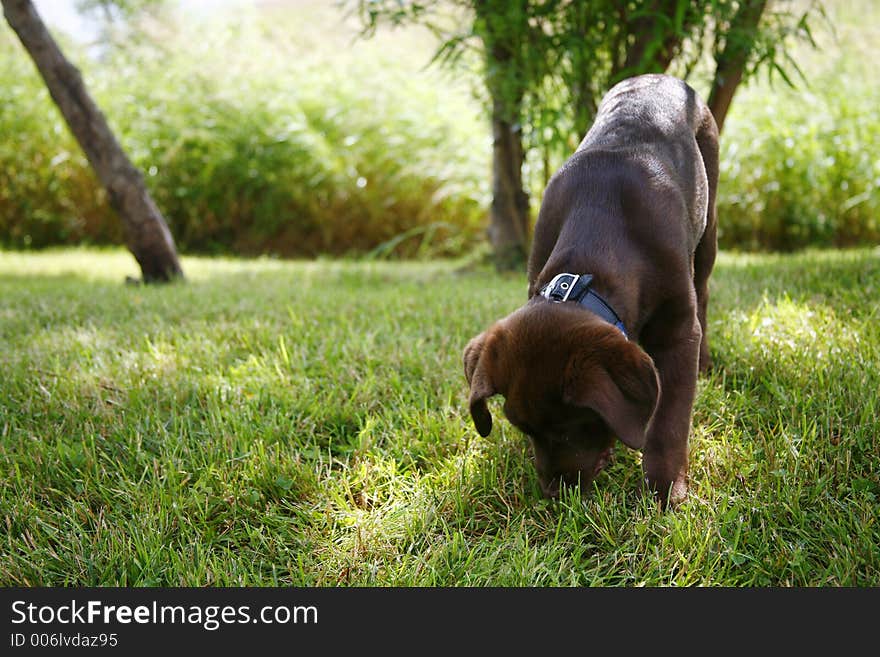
(613, 334)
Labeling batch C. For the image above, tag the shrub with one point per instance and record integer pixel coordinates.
(801, 168)
(48, 194)
(302, 145)
(266, 155)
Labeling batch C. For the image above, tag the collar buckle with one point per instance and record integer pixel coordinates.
(562, 286)
(576, 287)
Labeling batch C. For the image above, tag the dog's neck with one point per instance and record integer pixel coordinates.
(576, 288)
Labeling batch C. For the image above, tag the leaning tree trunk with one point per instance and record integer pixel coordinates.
(146, 233)
(509, 217)
(730, 63)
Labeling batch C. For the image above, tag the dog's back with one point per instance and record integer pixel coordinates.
(652, 147)
(658, 109)
(664, 113)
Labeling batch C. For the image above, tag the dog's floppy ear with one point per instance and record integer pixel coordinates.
(479, 365)
(617, 379)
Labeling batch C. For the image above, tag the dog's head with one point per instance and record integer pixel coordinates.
(571, 382)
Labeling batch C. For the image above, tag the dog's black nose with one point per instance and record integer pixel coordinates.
(550, 488)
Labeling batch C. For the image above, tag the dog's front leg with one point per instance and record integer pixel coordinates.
(676, 355)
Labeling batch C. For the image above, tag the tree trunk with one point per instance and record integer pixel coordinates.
(146, 233)
(731, 62)
(646, 53)
(504, 31)
(509, 218)
(581, 82)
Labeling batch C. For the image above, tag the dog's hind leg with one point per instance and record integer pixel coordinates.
(704, 255)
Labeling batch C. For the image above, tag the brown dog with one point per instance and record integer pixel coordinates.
(623, 248)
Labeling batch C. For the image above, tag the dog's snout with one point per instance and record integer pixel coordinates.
(578, 475)
(550, 488)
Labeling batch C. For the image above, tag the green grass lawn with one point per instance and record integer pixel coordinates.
(305, 423)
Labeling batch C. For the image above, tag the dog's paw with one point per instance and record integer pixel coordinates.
(666, 493)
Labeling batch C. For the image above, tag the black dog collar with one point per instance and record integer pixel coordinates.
(576, 287)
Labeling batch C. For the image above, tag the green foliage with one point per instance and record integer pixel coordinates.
(114, 11)
(127, 9)
(247, 428)
(802, 170)
(265, 154)
(549, 62)
(48, 194)
(799, 167)
(288, 155)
